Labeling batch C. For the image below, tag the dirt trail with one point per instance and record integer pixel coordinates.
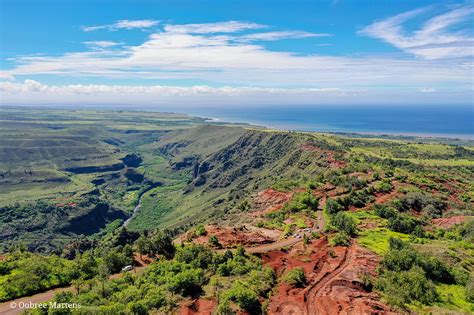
(317, 289)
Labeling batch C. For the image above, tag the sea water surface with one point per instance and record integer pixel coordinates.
(437, 121)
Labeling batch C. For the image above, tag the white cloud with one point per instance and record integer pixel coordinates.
(271, 36)
(428, 90)
(38, 93)
(6, 76)
(35, 93)
(433, 40)
(208, 28)
(122, 24)
(128, 24)
(218, 55)
(225, 60)
(101, 44)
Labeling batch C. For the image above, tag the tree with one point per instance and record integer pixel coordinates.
(341, 239)
(162, 244)
(333, 206)
(344, 223)
(243, 296)
(404, 287)
(403, 223)
(78, 283)
(103, 275)
(143, 246)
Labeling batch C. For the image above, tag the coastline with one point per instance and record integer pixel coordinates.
(388, 134)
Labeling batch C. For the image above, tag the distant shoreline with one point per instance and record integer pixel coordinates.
(449, 123)
(409, 135)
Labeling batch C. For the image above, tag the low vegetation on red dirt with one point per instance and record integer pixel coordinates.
(447, 223)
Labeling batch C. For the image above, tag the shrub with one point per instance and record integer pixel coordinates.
(187, 282)
(385, 186)
(241, 295)
(198, 256)
(333, 206)
(470, 290)
(344, 223)
(385, 211)
(405, 287)
(418, 201)
(302, 201)
(357, 198)
(341, 239)
(214, 241)
(295, 277)
(402, 257)
(403, 223)
(200, 230)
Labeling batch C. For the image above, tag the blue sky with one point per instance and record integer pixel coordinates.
(239, 52)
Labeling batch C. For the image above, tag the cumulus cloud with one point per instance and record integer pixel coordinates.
(122, 24)
(435, 39)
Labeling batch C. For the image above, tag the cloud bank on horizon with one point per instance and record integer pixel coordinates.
(237, 62)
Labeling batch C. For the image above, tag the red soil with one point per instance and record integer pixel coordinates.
(334, 281)
(446, 223)
(232, 236)
(329, 155)
(199, 306)
(142, 261)
(270, 200)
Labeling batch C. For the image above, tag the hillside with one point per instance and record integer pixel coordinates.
(232, 217)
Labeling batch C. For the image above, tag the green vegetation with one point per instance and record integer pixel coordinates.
(24, 273)
(295, 277)
(70, 179)
(408, 276)
(301, 201)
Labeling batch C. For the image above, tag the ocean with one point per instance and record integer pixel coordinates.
(435, 121)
